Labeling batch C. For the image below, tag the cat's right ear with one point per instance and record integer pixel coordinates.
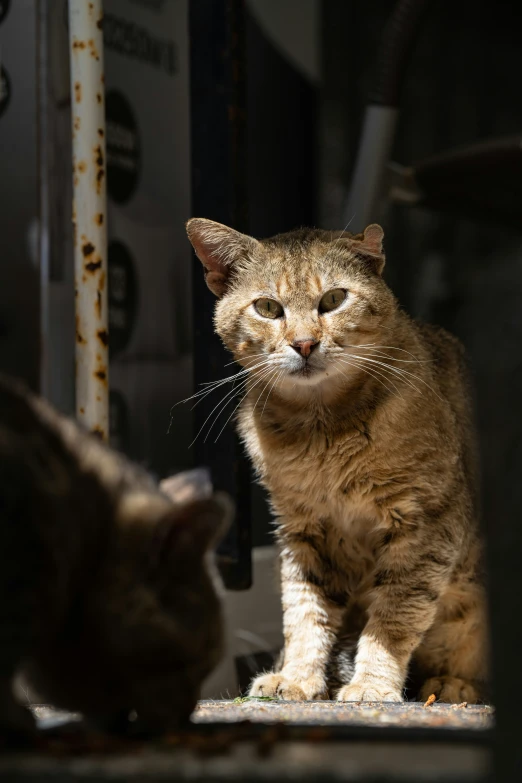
(220, 249)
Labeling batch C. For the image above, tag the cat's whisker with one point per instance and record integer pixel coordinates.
(271, 390)
(384, 355)
(243, 380)
(373, 373)
(389, 347)
(368, 372)
(217, 384)
(232, 391)
(239, 403)
(261, 394)
(401, 372)
(222, 408)
(343, 232)
(253, 356)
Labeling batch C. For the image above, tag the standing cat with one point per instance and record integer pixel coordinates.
(358, 421)
(106, 605)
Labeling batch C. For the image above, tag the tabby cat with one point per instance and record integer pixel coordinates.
(106, 606)
(358, 422)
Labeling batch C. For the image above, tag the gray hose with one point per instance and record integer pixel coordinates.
(399, 38)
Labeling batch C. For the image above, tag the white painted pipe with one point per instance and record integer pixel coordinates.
(373, 156)
(89, 214)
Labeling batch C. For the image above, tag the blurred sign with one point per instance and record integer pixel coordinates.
(123, 147)
(5, 90)
(123, 297)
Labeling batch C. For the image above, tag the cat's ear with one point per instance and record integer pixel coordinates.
(186, 533)
(368, 248)
(219, 249)
(187, 486)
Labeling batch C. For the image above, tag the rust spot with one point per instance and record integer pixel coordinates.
(92, 266)
(82, 411)
(99, 97)
(98, 398)
(93, 50)
(98, 304)
(91, 7)
(103, 337)
(77, 123)
(98, 432)
(82, 167)
(102, 78)
(84, 278)
(101, 375)
(79, 337)
(78, 44)
(76, 180)
(88, 249)
(99, 179)
(78, 92)
(101, 282)
(98, 155)
(101, 133)
(98, 219)
(99, 23)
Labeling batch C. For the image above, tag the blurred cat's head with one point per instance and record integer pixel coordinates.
(300, 305)
(149, 629)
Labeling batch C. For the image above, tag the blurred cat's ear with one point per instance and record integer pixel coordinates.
(368, 247)
(187, 486)
(219, 249)
(186, 533)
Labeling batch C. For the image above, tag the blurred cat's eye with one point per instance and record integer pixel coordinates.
(332, 299)
(268, 308)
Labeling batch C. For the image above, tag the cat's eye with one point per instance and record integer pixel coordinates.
(268, 308)
(332, 299)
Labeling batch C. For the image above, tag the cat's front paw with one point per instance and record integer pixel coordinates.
(451, 690)
(277, 686)
(368, 691)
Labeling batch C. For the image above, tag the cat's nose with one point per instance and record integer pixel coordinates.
(304, 347)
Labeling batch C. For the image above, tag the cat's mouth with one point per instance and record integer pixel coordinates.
(305, 371)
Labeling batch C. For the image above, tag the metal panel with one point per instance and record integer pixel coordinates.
(218, 116)
(19, 257)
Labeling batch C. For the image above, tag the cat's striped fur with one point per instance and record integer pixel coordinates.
(366, 447)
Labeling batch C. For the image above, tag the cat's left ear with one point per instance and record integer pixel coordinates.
(186, 533)
(368, 248)
(219, 248)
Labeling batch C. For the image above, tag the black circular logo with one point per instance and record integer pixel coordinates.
(123, 297)
(123, 148)
(5, 90)
(4, 8)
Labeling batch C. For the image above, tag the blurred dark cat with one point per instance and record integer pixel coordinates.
(106, 605)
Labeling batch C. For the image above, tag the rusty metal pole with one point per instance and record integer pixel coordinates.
(89, 214)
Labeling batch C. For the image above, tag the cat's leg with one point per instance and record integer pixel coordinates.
(453, 656)
(311, 619)
(408, 585)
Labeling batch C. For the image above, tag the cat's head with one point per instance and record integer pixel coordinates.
(301, 305)
(151, 628)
